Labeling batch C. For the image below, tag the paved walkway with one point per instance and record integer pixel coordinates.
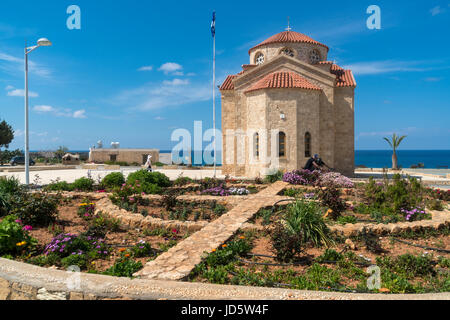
(177, 263)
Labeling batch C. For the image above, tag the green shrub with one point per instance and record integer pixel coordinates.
(434, 204)
(143, 249)
(304, 217)
(83, 184)
(330, 255)
(409, 266)
(331, 198)
(274, 177)
(124, 267)
(59, 186)
(144, 177)
(219, 210)
(9, 188)
(38, 209)
(13, 239)
(347, 220)
(286, 243)
(9, 185)
(182, 181)
(113, 180)
(80, 261)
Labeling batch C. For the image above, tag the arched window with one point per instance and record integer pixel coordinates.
(307, 145)
(282, 145)
(256, 144)
(288, 51)
(260, 58)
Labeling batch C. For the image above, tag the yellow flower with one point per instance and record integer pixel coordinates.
(214, 250)
(242, 238)
(21, 244)
(224, 246)
(83, 205)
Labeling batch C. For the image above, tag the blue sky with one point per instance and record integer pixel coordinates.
(139, 69)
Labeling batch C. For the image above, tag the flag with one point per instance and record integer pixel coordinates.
(213, 25)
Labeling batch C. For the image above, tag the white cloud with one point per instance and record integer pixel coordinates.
(164, 94)
(44, 109)
(171, 67)
(9, 88)
(436, 10)
(14, 65)
(21, 93)
(176, 82)
(80, 114)
(58, 112)
(159, 118)
(146, 68)
(433, 79)
(379, 67)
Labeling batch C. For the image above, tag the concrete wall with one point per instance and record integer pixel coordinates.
(130, 156)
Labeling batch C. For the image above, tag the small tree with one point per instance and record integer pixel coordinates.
(61, 152)
(6, 136)
(395, 143)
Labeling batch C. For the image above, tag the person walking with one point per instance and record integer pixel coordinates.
(148, 164)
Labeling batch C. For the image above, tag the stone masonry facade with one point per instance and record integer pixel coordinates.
(307, 98)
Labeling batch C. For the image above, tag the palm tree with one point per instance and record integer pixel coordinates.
(395, 143)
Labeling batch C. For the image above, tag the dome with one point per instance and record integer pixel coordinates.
(289, 37)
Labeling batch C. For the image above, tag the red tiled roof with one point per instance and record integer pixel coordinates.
(289, 37)
(344, 78)
(228, 83)
(278, 80)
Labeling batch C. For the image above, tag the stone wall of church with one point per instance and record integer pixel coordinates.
(302, 51)
(344, 145)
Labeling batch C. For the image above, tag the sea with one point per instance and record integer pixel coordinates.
(431, 159)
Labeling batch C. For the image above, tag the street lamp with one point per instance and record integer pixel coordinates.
(43, 42)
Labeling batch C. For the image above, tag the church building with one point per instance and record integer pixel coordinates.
(289, 103)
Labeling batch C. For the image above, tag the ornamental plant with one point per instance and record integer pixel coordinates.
(416, 214)
(148, 182)
(220, 191)
(331, 198)
(83, 184)
(286, 243)
(128, 196)
(335, 179)
(39, 209)
(113, 180)
(305, 217)
(86, 210)
(14, 237)
(302, 177)
(65, 245)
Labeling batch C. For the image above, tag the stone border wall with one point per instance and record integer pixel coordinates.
(19, 281)
(138, 221)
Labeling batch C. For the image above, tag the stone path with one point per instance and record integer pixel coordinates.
(178, 262)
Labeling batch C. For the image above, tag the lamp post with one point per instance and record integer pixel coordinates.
(43, 42)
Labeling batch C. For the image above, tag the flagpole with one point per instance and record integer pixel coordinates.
(214, 101)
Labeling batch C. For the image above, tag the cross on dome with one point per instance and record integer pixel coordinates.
(289, 26)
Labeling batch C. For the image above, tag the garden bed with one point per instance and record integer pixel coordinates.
(93, 243)
(170, 208)
(249, 259)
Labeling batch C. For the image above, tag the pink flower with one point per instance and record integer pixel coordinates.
(27, 228)
(18, 221)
